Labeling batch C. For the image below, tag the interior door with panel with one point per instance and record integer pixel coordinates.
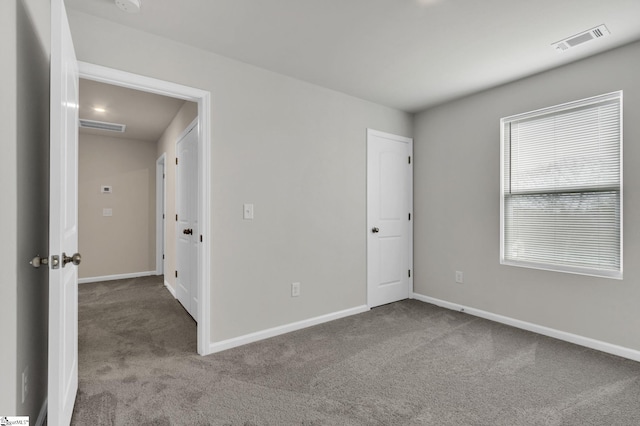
(389, 210)
(187, 236)
(63, 222)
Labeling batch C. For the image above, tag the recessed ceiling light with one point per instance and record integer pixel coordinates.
(98, 109)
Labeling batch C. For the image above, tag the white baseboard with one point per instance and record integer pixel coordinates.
(115, 277)
(42, 416)
(276, 331)
(171, 290)
(546, 331)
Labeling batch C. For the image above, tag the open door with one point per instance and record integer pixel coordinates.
(63, 222)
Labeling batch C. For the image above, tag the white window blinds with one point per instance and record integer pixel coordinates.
(561, 199)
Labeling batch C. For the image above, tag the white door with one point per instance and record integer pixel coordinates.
(187, 235)
(389, 210)
(63, 222)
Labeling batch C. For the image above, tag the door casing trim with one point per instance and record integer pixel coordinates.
(203, 99)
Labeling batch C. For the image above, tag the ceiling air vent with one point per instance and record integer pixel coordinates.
(101, 125)
(583, 37)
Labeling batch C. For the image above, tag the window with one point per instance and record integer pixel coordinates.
(561, 180)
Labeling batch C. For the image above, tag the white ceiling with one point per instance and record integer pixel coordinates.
(407, 54)
(146, 115)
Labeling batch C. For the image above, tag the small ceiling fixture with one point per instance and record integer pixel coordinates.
(98, 109)
(129, 6)
(575, 40)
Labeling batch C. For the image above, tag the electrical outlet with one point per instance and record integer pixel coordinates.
(459, 277)
(295, 289)
(25, 383)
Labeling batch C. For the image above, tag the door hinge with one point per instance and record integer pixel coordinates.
(176, 161)
(163, 176)
(163, 257)
(176, 274)
(409, 273)
(176, 218)
(409, 159)
(200, 237)
(409, 216)
(163, 215)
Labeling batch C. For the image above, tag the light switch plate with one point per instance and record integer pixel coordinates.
(247, 212)
(295, 289)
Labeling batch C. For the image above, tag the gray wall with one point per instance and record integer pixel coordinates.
(8, 215)
(33, 200)
(125, 242)
(457, 206)
(24, 123)
(294, 150)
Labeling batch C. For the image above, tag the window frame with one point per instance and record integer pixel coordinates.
(568, 106)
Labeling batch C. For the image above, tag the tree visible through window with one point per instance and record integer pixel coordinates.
(561, 203)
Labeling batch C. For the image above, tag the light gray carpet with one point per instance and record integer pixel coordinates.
(408, 363)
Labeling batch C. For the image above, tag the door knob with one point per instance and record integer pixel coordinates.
(37, 261)
(75, 259)
(187, 231)
(375, 230)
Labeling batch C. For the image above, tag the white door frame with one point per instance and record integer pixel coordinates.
(409, 142)
(161, 209)
(203, 99)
